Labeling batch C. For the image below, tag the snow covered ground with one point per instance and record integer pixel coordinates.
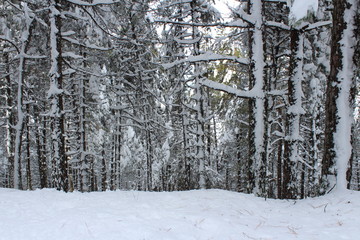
(210, 214)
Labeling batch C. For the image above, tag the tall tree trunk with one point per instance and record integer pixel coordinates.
(200, 100)
(294, 112)
(28, 151)
(56, 94)
(40, 136)
(103, 171)
(113, 165)
(149, 158)
(84, 157)
(257, 64)
(9, 119)
(21, 115)
(186, 170)
(339, 97)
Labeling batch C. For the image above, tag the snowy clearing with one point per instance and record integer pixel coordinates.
(208, 214)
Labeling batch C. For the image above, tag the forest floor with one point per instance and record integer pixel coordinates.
(203, 214)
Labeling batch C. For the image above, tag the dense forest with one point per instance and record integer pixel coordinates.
(168, 95)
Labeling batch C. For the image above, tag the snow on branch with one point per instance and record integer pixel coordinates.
(94, 2)
(73, 69)
(305, 26)
(91, 46)
(72, 55)
(208, 56)
(236, 23)
(244, 16)
(228, 89)
(187, 41)
(68, 33)
(192, 24)
(318, 24)
(32, 56)
(277, 25)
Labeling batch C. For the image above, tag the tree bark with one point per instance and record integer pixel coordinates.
(257, 64)
(293, 136)
(56, 94)
(339, 97)
(21, 115)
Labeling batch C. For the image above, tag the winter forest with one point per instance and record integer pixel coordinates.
(172, 95)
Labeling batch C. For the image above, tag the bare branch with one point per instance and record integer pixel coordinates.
(3, 38)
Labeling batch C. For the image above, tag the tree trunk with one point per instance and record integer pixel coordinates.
(56, 95)
(103, 171)
(21, 115)
(292, 141)
(28, 152)
(339, 97)
(257, 64)
(9, 119)
(40, 136)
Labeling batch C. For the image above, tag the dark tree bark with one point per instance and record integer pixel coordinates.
(103, 171)
(21, 110)
(56, 93)
(40, 136)
(9, 118)
(28, 151)
(293, 117)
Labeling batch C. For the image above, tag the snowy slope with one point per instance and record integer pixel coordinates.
(210, 214)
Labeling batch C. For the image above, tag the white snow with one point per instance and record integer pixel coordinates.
(300, 8)
(202, 214)
(223, 6)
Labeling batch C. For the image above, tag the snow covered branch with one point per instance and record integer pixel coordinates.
(94, 2)
(228, 89)
(206, 57)
(193, 24)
